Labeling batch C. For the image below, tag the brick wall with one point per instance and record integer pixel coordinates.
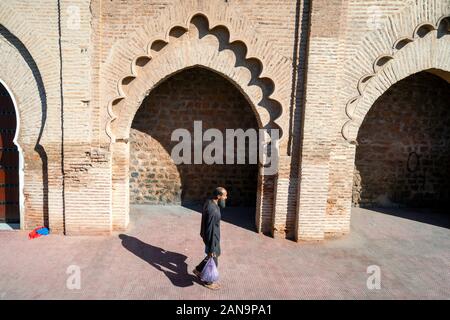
(65, 77)
(363, 37)
(404, 146)
(193, 94)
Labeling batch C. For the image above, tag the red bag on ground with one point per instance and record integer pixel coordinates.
(33, 234)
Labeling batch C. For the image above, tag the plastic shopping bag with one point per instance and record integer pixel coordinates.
(210, 273)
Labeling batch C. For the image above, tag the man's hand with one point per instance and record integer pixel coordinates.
(211, 254)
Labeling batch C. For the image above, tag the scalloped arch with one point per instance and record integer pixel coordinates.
(424, 54)
(442, 18)
(401, 42)
(257, 86)
(381, 61)
(424, 28)
(33, 84)
(17, 25)
(379, 65)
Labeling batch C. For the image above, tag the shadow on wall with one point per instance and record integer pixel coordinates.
(296, 106)
(14, 41)
(172, 264)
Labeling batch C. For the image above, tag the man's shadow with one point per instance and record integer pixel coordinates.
(172, 264)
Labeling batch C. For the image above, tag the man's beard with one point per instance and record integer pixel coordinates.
(221, 203)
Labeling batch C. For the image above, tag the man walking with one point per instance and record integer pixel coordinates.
(210, 231)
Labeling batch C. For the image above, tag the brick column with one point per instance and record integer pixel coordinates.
(312, 200)
(284, 206)
(87, 193)
(342, 165)
(54, 198)
(264, 203)
(322, 66)
(120, 184)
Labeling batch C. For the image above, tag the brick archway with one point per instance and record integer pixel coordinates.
(22, 79)
(401, 158)
(197, 45)
(425, 52)
(127, 54)
(35, 84)
(179, 103)
(328, 215)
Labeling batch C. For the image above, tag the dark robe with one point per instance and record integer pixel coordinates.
(210, 228)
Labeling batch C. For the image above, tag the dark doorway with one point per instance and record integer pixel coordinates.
(195, 94)
(9, 160)
(403, 154)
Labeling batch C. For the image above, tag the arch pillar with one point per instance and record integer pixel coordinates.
(120, 151)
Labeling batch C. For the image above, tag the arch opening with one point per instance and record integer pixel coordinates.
(193, 94)
(401, 161)
(11, 162)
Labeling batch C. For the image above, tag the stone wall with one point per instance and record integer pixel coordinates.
(193, 94)
(404, 146)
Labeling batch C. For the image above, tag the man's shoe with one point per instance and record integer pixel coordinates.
(212, 286)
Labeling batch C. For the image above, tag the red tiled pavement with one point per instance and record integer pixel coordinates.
(155, 257)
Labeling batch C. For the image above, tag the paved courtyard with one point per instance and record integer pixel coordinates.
(154, 258)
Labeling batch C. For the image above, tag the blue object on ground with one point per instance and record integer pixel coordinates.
(42, 231)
